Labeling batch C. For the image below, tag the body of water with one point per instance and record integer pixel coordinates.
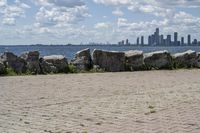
(69, 51)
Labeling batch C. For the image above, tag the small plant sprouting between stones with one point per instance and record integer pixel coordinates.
(152, 110)
(151, 107)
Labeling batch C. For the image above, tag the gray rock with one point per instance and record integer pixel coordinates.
(32, 59)
(134, 60)
(47, 67)
(109, 60)
(198, 60)
(2, 68)
(186, 59)
(12, 61)
(158, 60)
(83, 60)
(54, 64)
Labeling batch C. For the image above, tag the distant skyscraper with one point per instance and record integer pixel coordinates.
(157, 36)
(189, 39)
(179, 43)
(122, 42)
(175, 38)
(168, 41)
(142, 40)
(138, 41)
(127, 42)
(149, 40)
(152, 40)
(182, 40)
(195, 42)
(161, 41)
(198, 42)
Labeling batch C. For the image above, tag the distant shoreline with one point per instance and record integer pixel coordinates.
(96, 45)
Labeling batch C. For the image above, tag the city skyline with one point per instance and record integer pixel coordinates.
(25, 22)
(158, 39)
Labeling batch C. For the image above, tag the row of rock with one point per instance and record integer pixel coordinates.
(137, 60)
(110, 61)
(31, 63)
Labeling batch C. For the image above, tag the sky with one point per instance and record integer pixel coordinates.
(24, 22)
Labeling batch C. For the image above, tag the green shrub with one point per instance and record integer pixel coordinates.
(10, 72)
(72, 69)
(96, 70)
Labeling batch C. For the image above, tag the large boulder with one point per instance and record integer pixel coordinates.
(14, 62)
(198, 60)
(158, 60)
(83, 60)
(2, 68)
(111, 61)
(134, 60)
(54, 64)
(32, 59)
(186, 59)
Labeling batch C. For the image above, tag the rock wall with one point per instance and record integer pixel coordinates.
(32, 61)
(134, 60)
(158, 60)
(83, 60)
(110, 61)
(13, 62)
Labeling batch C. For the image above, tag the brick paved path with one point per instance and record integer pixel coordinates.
(141, 102)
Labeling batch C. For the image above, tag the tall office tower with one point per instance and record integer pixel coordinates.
(189, 39)
(198, 43)
(195, 42)
(182, 40)
(138, 41)
(161, 40)
(149, 40)
(168, 41)
(157, 36)
(175, 38)
(152, 40)
(142, 40)
(165, 42)
(179, 43)
(122, 42)
(127, 42)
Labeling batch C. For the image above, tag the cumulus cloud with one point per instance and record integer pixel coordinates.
(3, 3)
(166, 3)
(11, 12)
(60, 12)
(61, 17)
(118, 12)
(113, 2)
(61, 3)
(102, 25)
(179, 3)
(160, 8)
(8, 21)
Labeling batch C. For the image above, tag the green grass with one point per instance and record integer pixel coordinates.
(72, 69)
(10, 72)
(151, 107)
(96, 70)
(152, 111)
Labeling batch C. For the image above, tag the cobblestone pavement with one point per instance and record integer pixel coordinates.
(138, 102)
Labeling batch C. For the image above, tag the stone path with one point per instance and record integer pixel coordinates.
(138, 102)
